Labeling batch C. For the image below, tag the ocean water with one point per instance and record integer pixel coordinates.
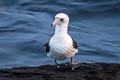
(25, 28)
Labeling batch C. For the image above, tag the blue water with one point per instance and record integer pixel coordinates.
(25, 28)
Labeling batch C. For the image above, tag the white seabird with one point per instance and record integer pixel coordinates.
(61, 46)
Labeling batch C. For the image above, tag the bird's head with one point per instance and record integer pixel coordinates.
(60, 19)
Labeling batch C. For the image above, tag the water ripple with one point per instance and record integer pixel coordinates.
(25, 28)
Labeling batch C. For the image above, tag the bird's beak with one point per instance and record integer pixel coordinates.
(55, 22)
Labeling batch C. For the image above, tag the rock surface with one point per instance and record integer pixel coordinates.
(83, 71)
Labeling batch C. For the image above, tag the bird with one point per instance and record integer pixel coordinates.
(61, 46)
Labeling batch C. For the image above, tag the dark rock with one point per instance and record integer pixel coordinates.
(83, 71)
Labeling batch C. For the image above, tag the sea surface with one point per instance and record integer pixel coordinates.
(25, 28)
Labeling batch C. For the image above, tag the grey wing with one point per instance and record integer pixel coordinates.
(75, 44)
(47, 47)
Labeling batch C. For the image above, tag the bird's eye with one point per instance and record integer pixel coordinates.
(62, 20)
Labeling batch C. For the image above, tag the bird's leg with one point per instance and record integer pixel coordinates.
(56, 63)
(72, 62)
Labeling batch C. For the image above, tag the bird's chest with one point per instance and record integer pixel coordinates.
(60, 44)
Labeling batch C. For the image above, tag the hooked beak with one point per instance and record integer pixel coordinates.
(55, 22)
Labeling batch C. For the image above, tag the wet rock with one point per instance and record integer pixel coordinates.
(83, 71)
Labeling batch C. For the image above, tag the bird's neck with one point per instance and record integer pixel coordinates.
(61, 29)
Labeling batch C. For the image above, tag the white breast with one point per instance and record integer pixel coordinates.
(61, 47)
